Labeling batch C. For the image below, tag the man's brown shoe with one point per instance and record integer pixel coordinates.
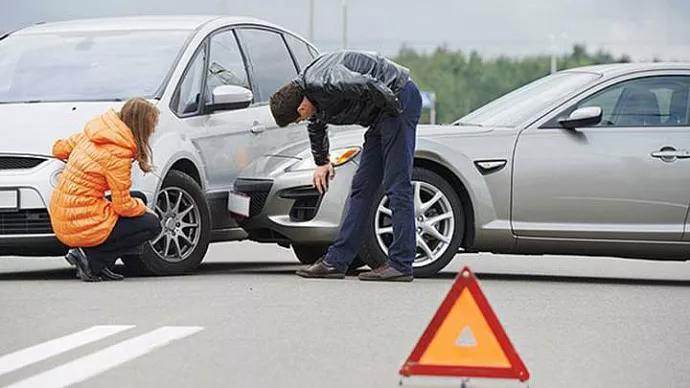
(321, 269)
(386, 273)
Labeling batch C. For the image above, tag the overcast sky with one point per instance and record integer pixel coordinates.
(644, 30)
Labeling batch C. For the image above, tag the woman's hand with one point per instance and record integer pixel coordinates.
(151, 212)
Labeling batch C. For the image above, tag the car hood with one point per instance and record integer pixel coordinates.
(350, 136)
(429, 130)
(337, 135)
(32, 128)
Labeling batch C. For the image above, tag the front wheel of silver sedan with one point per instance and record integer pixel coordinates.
(439, 224)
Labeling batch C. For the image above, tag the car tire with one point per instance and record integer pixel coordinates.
(153, 261)
(454, 229)
(309, 254)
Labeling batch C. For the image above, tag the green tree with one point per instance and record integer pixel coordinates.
(464, 82)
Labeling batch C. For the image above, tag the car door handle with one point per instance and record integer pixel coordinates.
(257, 128)
(670, 154)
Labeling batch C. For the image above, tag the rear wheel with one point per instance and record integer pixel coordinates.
(186, 222)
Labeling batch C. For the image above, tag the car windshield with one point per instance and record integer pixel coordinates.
(518, 105)
(86, 66)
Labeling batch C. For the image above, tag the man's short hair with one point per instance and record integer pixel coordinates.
(284, 103)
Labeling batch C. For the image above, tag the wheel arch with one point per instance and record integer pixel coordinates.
(186, 164)
(188, 167)
(460, 189)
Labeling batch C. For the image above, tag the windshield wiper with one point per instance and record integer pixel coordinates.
(23, 102)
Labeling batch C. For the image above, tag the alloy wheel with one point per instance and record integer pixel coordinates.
(180, 219)
(434, 223)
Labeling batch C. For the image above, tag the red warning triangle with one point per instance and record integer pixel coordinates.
(465, 339)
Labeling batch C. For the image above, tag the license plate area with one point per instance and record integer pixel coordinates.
(9, 200)
(239, 203)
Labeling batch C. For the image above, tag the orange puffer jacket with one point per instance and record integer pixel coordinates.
(98, 160)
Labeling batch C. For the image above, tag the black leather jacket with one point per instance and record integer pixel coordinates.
(349, 87)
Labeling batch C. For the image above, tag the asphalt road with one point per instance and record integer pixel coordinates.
(245, 320)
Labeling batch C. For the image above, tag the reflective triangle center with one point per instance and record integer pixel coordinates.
(465, 339)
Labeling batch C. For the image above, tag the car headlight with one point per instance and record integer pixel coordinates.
(339, 157)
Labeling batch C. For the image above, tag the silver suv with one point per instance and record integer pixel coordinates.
(210, 76)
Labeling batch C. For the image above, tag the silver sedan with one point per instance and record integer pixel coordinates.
(587, 161)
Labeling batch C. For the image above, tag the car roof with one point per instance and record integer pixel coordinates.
(611, 70)
(127, 23)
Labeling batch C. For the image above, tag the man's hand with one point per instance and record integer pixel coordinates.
(321, 176)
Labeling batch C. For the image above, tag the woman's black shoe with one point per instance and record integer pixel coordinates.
(107, 274)
(84, 270)
(70, 256)
(72, 260)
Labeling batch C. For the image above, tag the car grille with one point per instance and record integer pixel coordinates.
(257, 190)
(31, 221)
(307, 202)
(19, 162)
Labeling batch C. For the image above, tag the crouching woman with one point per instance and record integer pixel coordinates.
(100, 159)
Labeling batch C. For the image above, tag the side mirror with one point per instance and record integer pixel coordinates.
(582, 117)
(230, 97)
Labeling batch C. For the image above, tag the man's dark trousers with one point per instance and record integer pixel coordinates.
(387, 158)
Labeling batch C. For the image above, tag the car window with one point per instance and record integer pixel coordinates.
(643, 102)
(271, 62)
(301, 51)
(313, 52)
(187, 98)
(226, 65)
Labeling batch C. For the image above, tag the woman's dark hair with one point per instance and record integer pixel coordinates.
(284, 104)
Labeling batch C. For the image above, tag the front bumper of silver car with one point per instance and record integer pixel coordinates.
(286, 209)
(26, 185)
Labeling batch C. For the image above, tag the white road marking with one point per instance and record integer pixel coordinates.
(86, 367)
(40, 352)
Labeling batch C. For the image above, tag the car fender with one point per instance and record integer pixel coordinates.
(463, 168)
(167, 149)
(488, 225)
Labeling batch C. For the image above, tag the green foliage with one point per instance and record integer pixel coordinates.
(464, 82)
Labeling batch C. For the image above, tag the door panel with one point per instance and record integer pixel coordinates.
(222, 138)
(602, 182)
(227, 144)
(272, 66)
